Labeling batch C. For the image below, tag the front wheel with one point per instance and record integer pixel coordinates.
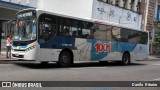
(64, 59)
(126, 59)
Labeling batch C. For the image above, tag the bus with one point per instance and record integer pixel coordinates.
(50, 37)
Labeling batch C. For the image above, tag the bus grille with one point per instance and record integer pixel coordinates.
(19, 50)
(19, 56)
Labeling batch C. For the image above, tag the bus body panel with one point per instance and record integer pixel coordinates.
(47, 55)
(26, 52)
(95, 50)
(83, 50)
(140, 52)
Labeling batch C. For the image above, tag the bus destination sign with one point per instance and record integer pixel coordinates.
(26, 14)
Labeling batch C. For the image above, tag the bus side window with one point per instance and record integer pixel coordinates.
(79, 33)
(74, 33)
(123, 35)
(115, 32)
(66, 32)
(47, 28)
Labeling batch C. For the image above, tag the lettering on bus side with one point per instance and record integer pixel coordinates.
(102, 47)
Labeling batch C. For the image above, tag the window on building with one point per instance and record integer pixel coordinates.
(139, 6)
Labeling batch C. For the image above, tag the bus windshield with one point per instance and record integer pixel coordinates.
(25, 30)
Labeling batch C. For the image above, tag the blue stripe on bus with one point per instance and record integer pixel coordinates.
(59, 42)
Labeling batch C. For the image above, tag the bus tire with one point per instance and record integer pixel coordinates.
(126, 59)
(64, 59)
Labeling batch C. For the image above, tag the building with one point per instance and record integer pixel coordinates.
(156, 28)
(126, 13)
(122, 12)
(150, 22)
(8, 9)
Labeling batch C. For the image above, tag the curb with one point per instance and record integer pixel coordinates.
(7, 61)
(149, 59)
(3, 57)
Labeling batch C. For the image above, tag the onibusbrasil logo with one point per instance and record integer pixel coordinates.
(21, 84)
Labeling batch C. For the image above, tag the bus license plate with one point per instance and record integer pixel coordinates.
(16, 55)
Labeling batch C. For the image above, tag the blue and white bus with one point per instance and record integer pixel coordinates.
(49, 37)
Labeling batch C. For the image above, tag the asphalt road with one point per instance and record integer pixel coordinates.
(32, 71)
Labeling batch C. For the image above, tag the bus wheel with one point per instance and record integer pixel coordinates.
(64, 59)
(126, 59)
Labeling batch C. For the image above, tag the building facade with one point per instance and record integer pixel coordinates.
(150, 22)
(8, 9)
(126, 13)
(156, 29)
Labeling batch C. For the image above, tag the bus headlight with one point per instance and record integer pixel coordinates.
(30, 48)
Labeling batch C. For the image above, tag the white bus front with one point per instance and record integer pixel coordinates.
(25, 36)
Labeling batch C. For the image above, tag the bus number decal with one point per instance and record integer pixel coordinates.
(102, 47)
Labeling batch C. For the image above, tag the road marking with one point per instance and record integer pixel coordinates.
(153, 65)
(156, 64)
(76, 68)
(97, 67)
(158, 79)
(90, 68)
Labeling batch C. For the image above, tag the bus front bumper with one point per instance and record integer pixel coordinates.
(22, 56)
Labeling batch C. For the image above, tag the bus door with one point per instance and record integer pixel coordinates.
(45, 41)
(45, 46)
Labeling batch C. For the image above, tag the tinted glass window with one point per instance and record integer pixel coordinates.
(74, 28)
(47, 28)
(143, 38)
(101, 33)
(133, 36)
(116, 34)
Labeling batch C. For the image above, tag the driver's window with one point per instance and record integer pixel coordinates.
(28, 29)
(47, 28)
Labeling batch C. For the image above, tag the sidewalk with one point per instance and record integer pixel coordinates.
(4, 60)
(154, 57)
(3, 57)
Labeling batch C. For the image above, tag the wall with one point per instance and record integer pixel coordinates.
(151, 15)
(108, 12)
(87, 9)
(77, 8)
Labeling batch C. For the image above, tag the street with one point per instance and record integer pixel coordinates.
(32, 71)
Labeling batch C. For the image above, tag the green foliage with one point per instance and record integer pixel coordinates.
(157, 38)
